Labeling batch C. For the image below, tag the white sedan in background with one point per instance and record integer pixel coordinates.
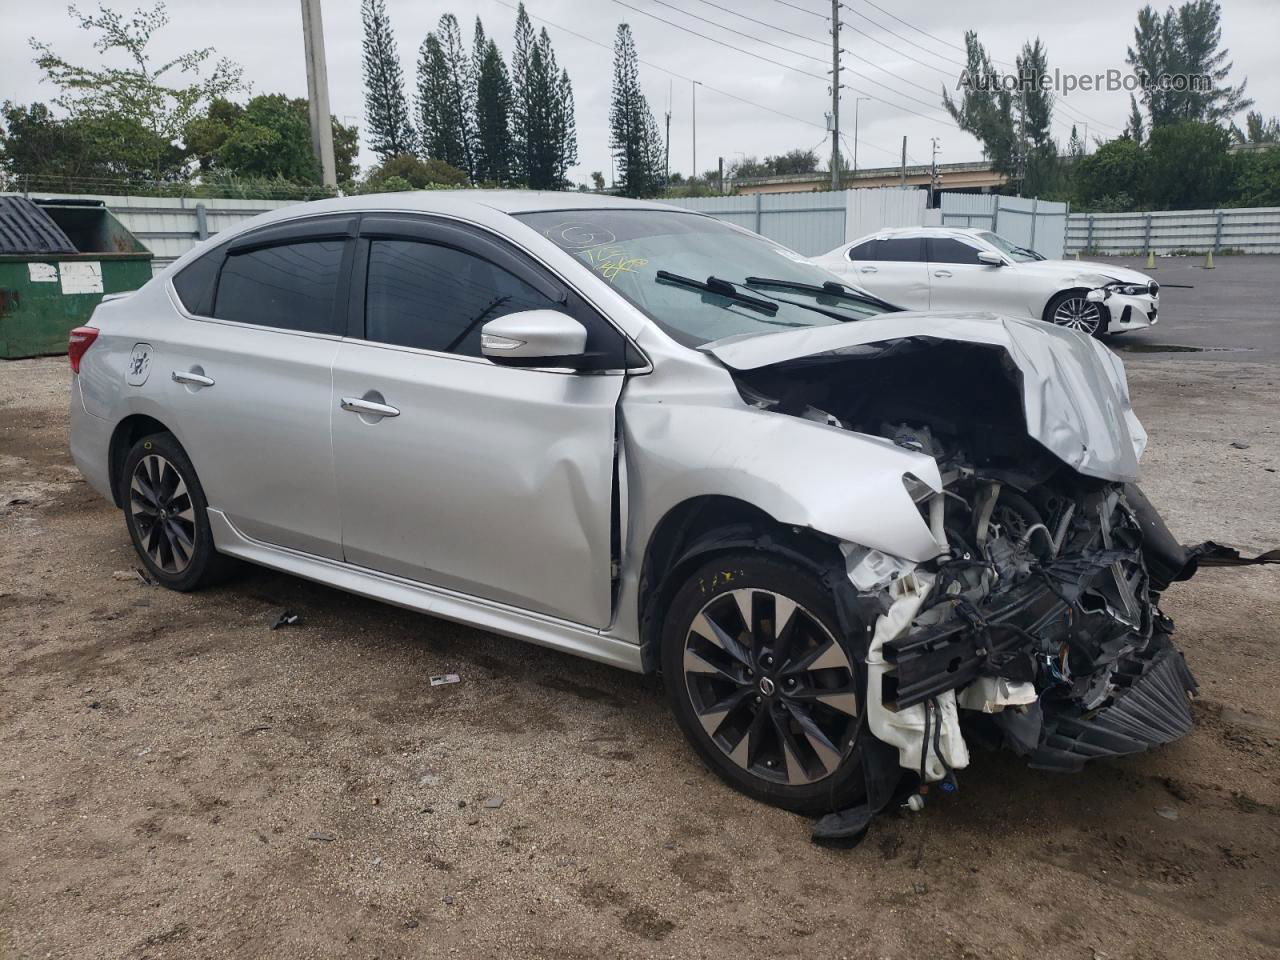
(946, 268)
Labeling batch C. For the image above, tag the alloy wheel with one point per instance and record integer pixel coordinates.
(1077, 313)
(163, 513)
(771, 687)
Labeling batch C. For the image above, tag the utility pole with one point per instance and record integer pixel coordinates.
(856, 101)
(904, 163)
(835, 94)
(933, 174)
(695, 128)
(1021, 168)
(318, 92)
(666, 163)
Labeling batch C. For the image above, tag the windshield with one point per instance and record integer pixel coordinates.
(628, 249)
(1012, 250)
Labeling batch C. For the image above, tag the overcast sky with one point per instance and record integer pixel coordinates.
(1083, 36)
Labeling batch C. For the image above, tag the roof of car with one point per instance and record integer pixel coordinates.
(933, 231)
(457, 201)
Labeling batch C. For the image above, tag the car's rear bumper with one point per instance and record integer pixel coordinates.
(90, 443)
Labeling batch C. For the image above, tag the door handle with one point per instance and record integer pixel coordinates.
(368, 407)
(192, 379)
(868, 269)
(942, 273)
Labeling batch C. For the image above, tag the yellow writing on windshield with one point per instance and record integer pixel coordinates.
(611, 261)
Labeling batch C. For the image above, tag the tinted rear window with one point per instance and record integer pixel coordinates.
(194, 283)
(291, 286)
(901, 248)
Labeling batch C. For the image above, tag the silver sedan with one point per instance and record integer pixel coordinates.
(643, 436)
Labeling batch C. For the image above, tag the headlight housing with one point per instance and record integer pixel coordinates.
(1134, 289)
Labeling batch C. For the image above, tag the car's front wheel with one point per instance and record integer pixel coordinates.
(166, 512)
(1073, 310)
(764, 684)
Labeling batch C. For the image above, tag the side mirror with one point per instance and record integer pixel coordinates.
(990, 258)
(534, 338)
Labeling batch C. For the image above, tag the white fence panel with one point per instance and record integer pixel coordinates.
(1250, 229)
(809, 223)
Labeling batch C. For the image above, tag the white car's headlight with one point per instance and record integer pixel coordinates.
(1135, 289)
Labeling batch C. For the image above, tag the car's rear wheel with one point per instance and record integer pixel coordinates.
(167, 515)
(1071, 309)
(763, 682)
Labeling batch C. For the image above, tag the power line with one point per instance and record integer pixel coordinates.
(932, 53)
(795, 6)
(794, 53)
(669, 72)
(758, 56)
(914, 27)
(764, 23)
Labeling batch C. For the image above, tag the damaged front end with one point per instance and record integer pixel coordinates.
(1038, 615)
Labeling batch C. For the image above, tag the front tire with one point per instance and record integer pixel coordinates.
(167, 515)
(1072, 310)
(763, 683)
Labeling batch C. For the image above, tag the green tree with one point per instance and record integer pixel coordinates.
(1182, 44)
(493, 116)
(564, 127)
(48, 153)
(408, 172)
(269, 137)
(385, 109)
(1257, 178)
(637, 147)
(1112, 176)
(524, 107)
(1257, 129)
(985, 108)
(444, 117)
(793, 161)
(136, 117)
(1188, 166)
(459, 89)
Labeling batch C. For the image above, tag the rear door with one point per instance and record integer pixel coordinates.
(958, 281)
(894, 269)
(492, 481)
(246, 378)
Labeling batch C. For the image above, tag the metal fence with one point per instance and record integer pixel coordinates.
(1247, 229)
(809, 223)
(1026, 221)
(170, 226)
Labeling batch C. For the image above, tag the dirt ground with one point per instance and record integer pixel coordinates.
(178, 780)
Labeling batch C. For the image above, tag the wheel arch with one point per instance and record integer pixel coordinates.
(126, 433)
(1052, 303)
(696, 529)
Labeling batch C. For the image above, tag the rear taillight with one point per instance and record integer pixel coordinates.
(80, 340)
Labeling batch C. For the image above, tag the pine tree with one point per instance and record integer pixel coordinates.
(386, 112)
(634, 139)
(522, 104)
(459, 89)
(493, 117)
(565, 130)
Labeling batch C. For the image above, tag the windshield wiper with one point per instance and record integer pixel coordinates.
(721, 288)
(829, 288)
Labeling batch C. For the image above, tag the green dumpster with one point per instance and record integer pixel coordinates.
(57, 259)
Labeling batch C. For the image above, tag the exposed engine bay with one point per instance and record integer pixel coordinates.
(1039, 615)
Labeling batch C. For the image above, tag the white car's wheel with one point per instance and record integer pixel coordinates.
(1072, 310)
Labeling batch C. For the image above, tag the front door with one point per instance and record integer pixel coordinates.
(491, 481)
(959, 281)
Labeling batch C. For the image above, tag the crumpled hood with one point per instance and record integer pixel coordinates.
(1083, 273)
(1074, 392)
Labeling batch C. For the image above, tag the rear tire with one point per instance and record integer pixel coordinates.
(167, 515)
(773, 712)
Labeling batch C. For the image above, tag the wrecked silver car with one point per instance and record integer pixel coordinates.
(646, 437)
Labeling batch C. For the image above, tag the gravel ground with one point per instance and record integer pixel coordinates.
(178, 780)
